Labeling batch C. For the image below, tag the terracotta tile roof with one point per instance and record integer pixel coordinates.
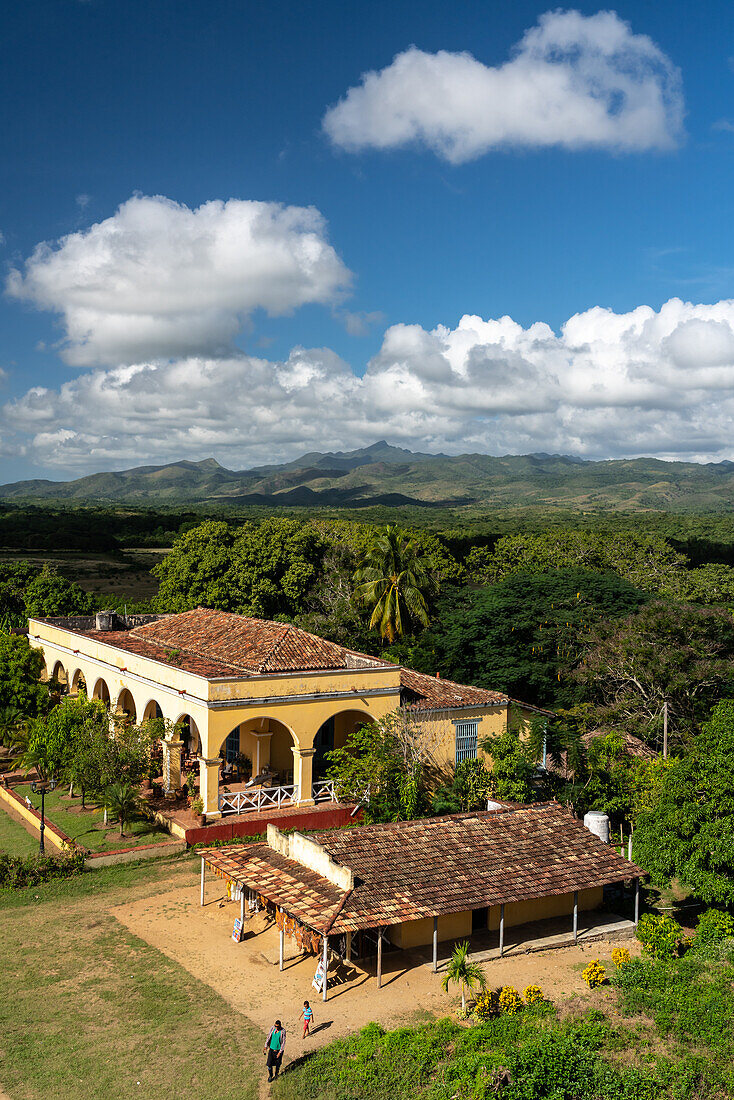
(126, 641)
(248, 645)
(414, 869)
(423, 692)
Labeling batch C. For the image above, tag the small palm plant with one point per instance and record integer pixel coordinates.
(463, 972)
(122, 800)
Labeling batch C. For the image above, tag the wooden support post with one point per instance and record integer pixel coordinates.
(282, 948)
(575, 916)
(326, 965)
(502, 929)
(435, 945)
(203, 878)
(637, 901)
(379, 958)
(349, 947)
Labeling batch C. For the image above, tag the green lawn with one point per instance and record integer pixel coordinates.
(14, 839)
(89, 1010)
(86, 826)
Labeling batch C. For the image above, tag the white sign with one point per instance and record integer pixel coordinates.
(318, 978)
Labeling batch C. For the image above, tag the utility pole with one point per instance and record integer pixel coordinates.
(665, 729)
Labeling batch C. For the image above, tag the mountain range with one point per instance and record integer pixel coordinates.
(392, 476)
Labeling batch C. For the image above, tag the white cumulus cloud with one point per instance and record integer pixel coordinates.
(574, 81)
(646, 382)
(158, 279)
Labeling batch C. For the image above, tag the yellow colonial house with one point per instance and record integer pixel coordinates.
(231, 685)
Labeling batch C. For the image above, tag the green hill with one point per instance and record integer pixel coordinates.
(392, 476)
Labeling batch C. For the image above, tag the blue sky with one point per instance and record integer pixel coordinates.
(221, 100)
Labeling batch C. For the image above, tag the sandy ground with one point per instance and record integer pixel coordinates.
(247, 976)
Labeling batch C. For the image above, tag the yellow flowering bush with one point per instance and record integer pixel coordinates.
(532, 994)
(487, 1005)
(594, 974)
(509, 1000)
(620, 956)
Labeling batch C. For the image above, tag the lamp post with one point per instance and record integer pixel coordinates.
(41, 787)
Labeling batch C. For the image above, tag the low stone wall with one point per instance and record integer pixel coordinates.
(52, 836)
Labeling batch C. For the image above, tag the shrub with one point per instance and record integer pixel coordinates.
(594, 974)
(532, 994)
(620, 956)
(714, 926)
(509, 1000)
(659, 935)
(197, 805)
(487, 1005)
(18, 872)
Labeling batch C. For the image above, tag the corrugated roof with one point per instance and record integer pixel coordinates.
(413, 869)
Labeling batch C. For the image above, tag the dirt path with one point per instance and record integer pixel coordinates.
(246, 975)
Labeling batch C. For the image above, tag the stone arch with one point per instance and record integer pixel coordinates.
(59, 674)
(78, 682)
(101, 691)
(188, 732)
(126, 705)
(333, 733)
(267, 742)
(152, 709)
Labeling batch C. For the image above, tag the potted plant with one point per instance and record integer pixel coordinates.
(197, 806)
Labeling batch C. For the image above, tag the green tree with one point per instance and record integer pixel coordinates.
(461, 971)
(647, 561)
(50, 594)
(262, 569)
(686, 831)
(21, 667)
(513, 771)
(468, 790)
(681, 654)
(386, 759)
(712, 583)
(522, 635)
(123, 801)
(393, 581)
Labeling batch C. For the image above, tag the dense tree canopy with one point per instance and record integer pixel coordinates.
(21, 667)
(666, 652)
(523, 634)
(647, 561)
(261, 569)
(687, 829)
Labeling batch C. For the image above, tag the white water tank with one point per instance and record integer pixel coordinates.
(598, 824)
(494, 806)
(104, 620)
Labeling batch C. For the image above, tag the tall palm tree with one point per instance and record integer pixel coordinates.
(123, 800)
(393, 580)
(463, 972)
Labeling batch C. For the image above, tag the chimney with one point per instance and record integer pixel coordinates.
(438, 675)
(104, 620)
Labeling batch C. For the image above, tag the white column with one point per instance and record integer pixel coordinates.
(326, 965)
(303, 775)
(435, 945)
(209, 786)
(262, 751)
(575, 916)
(282, 948)
(502, 930)
(379, 958)
(172, 764)
(637, 901)
(203, 878)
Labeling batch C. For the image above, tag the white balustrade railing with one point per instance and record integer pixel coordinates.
(324, 791)
(261, 798)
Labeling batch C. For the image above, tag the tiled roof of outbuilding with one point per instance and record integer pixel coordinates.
(413, 869)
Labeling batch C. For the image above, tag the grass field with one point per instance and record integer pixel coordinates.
(86, 826)
(14, 839)
(89, 1010)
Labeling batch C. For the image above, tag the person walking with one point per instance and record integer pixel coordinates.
(307, 1016)
(274, 1047)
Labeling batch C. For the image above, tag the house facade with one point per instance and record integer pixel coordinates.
(237, 686)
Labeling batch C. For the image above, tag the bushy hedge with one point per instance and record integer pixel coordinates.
(15, 871)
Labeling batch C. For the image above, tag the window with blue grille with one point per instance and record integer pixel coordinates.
(466, 740)
(232, 745)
